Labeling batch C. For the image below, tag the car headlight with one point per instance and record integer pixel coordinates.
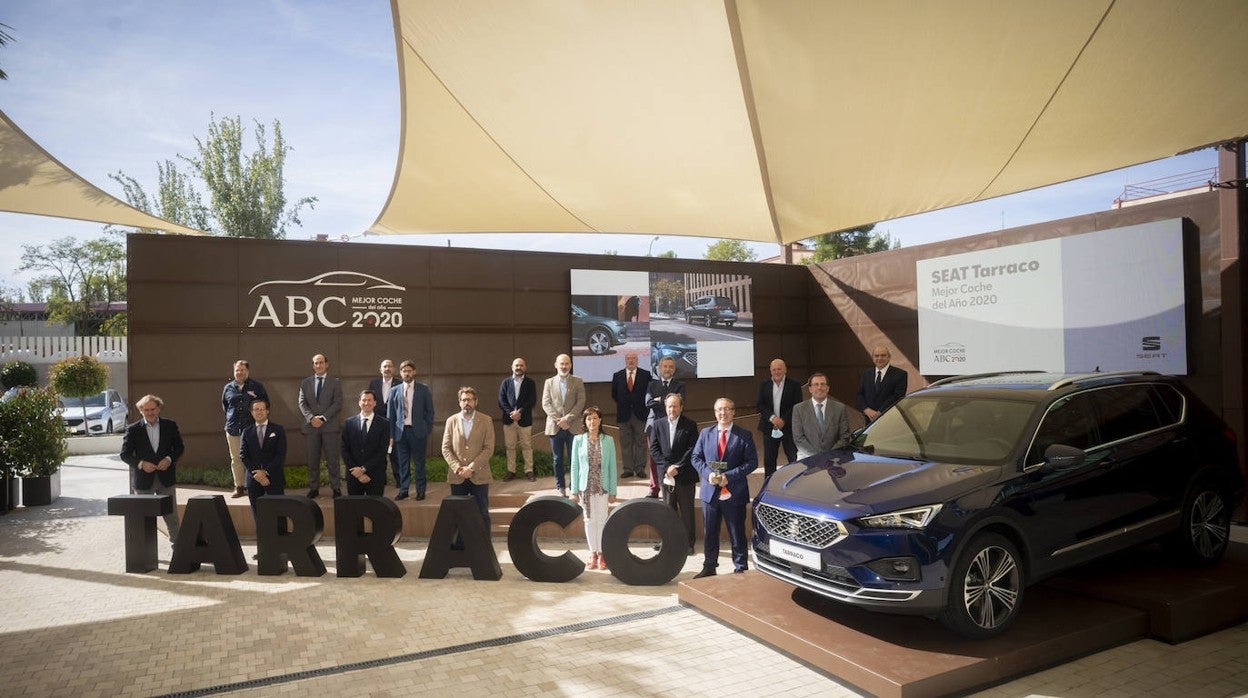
(906, 518)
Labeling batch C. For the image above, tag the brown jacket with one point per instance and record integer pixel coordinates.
(474, 451)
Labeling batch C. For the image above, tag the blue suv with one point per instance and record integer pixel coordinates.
(967, 491)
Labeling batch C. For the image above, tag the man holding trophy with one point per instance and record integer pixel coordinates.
(724, 456)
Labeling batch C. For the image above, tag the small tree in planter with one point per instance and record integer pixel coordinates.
(80, 377)
(32, 444)
(18, 374)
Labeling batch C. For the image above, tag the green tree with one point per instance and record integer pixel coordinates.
(670, 254)
(82, 279)
(851, 243)
(730, 251)
(80, 377)
(246, 191)
(668, 295)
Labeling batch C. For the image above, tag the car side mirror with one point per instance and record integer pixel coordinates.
(1061, 456)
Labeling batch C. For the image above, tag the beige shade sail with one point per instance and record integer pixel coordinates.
(778, 120)
(32, 181)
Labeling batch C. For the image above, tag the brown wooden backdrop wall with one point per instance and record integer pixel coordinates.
(467, 314)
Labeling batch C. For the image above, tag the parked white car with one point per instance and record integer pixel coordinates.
(106, 413)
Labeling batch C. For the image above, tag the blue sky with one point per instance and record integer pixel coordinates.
(108, 86)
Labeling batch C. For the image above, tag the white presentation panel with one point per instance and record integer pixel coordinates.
(1111, 300)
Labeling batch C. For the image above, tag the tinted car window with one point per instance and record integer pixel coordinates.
(950, 429)
(1169, 403)
(1125, 411)
(1069, 422)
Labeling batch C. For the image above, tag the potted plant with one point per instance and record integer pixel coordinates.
(79, 377)
(32, 444)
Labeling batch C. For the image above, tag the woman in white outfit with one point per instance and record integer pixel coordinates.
(593, 481)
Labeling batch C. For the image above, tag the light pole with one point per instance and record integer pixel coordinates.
(651, 247)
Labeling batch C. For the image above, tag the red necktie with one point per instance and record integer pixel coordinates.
(630, 381)
(723, 442)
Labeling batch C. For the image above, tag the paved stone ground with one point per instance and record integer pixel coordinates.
(76, 624)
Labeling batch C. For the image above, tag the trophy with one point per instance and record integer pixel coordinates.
(720, 467)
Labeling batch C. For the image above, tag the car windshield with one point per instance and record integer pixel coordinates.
(949, 429)
(96, 400)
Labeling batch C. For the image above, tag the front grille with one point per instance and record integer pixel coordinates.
(691, 358)
(799, 528)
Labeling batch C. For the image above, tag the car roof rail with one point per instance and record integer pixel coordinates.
(974, 376)
(1071, 380)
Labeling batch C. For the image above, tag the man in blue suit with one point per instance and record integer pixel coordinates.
(517, 396)
(152, 447)
(409, 409)
(262, 448)
(733, 446)
(628, 390)
(365, 440)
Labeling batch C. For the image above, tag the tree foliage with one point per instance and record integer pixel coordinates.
(245, 191)
(5, 38)
(851, 243)
(80, 280)
(79, 377)
(18, 374)
(730, 251)
(668, 295)
(32, 435)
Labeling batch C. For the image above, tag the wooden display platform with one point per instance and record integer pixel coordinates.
(1095, 608)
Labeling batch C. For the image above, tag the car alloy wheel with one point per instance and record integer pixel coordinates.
(598, 342)
(709, 322)
(1206, 525)
(987, 589)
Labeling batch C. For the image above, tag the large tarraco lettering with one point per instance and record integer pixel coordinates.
(365, 527)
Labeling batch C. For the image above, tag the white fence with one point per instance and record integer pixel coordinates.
(49, 350)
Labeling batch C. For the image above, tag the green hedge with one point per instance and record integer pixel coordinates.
(297, 475)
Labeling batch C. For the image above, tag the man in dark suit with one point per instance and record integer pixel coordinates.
(628, 390)
(671, 447)
(733, 446)
(820, 423)
(262, 449)
(881, 386)
(517, 396)
(776, 399)
(409, 409)
(656, 394)
(381, 386)
(365, 439)
(320, 401)
(152, 447)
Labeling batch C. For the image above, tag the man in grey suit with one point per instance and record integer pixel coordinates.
(820, 423)
(563, 400)
(320, 401)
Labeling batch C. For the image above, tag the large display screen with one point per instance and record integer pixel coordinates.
(704, 322)
(1112, 300)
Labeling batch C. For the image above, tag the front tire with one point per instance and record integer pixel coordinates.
(1205, 529)
(598, 341)
(986, 589)
(708, 321)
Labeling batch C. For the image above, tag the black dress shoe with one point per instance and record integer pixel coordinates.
(509, 476)
(400, 496)
(238, 492)
(337, 494)
(738, 571)
(706, 572)
(312, 493)
(530, 477)
(420, 496)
